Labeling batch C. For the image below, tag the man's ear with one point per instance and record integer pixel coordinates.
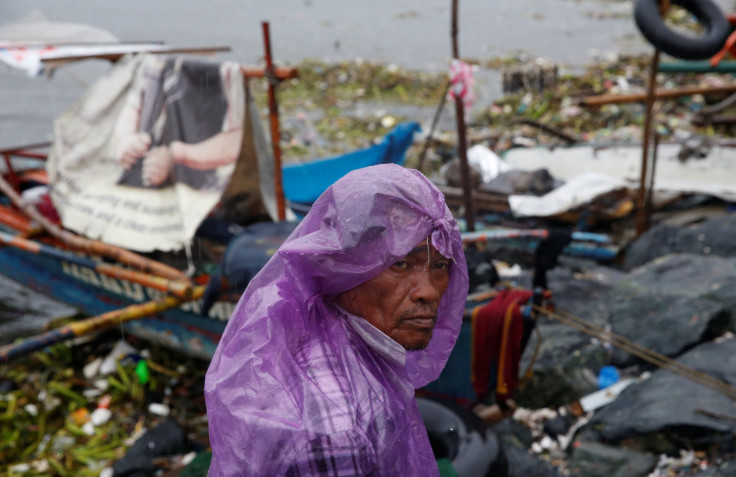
(346, 298)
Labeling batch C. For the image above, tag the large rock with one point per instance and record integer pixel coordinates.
(707, 277)
(516, 439)
(566, 358)
(521, 462)
(712, 237)
(726, 469)
(667, 324)
(668, 412)
(592, 459)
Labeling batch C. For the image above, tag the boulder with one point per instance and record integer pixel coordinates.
(523, 462)
(667, 324)
(697, 276)
(668, 412)
(725, 469)
(593, 459)
(567, 360)
(711, 237)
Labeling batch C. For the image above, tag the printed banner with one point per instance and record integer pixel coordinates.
(146, 153)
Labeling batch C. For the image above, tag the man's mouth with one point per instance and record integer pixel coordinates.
(422, 321)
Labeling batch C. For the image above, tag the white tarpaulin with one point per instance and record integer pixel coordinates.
(149, 149)
(713, 175)
(578, 191)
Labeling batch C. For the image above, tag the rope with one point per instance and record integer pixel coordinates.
(528, 374)
(642, 352)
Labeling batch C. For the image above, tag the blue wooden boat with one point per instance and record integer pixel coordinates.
(64, 278)
(303, 183)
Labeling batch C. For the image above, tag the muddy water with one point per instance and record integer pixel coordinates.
(404, 32)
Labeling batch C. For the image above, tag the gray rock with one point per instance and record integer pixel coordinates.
(712, 237)
(566, 358)
(663, 323)
(522, 463)
(512, 432)
(667, 412)
(711, 278)
(726, 469)
(591, 459)
(562, 374)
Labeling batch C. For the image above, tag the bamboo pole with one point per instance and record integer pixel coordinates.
(94, 247)
(462, 140)
(435, 120)
(96, 323)
(274, 121)
(280, 73)
(642, 217)
(642, 222)
(15, 220)
(660, 93)
(177, 288)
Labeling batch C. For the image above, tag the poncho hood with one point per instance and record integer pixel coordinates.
(357, 228)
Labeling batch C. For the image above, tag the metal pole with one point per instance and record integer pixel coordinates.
(462, 146)
(435, 120)
(641, 215)
(642, 219)
(649, 203)
(274, 120)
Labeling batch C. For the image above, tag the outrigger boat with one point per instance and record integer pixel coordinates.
(50, 259)
(102, 235)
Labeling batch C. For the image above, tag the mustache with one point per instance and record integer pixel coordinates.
(420, 311)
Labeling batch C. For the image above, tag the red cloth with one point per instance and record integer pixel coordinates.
(496, 342)
(46, 207)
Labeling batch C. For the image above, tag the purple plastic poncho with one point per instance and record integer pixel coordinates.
(299, 387)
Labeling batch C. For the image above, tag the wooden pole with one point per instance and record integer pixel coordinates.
(178, 288)
(435, 120)
(274, 120)
(603, 99)
(96, 323)
(461, 143)
(94, 247)
(641, 218)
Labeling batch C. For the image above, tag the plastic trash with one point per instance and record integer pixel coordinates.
(120, 350)
(100, 416)
(159, 409)
(165, 439)
(607, 376)
(92, 368)
(80, 416)
(487, 162)
(141, 370)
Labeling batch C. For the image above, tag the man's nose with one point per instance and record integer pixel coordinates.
(423, 287)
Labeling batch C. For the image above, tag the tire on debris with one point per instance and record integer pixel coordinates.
(652, 26)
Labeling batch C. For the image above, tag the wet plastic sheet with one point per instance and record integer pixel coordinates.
(291, 385)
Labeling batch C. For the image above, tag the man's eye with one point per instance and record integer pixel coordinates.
(401, 264)
(441, 265)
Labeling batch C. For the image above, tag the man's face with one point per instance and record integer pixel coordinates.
(402, 301)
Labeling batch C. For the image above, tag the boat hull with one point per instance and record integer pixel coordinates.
(182, 328)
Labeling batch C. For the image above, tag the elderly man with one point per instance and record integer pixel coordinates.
(316, 371)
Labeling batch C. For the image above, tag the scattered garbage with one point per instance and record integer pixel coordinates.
(166, 439)
(607, 376)
(105, 408)
(51, 424)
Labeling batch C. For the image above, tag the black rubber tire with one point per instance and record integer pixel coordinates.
(654, 29)
(462, 437)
